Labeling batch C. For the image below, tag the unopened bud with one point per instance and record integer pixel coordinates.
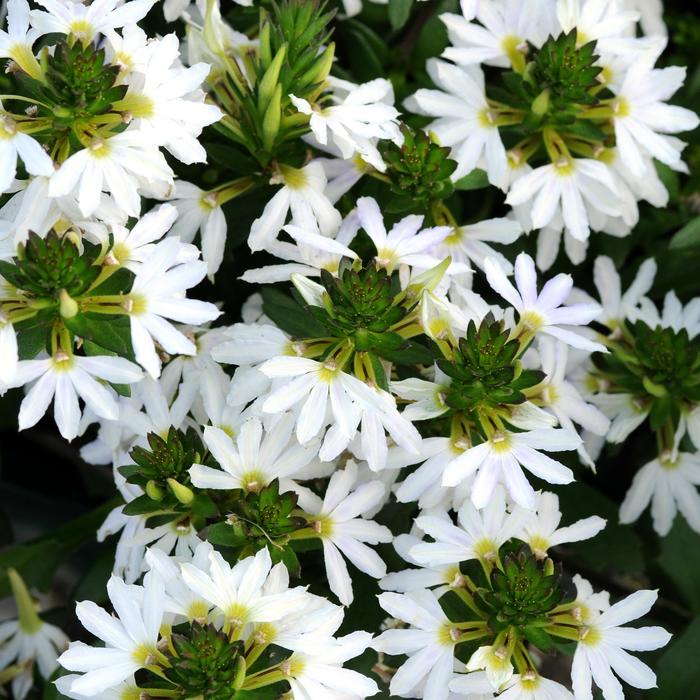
(68, 307)
(272, 119)
(268, 83)
(540, 106)
(239, 677)
(154, 491)
(183, 493)
(321, 68)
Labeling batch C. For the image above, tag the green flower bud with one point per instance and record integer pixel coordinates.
(68, 307)
(183, 493)
(272, 118)
(268, 82)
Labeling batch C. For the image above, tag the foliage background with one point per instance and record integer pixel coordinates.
(51, 502)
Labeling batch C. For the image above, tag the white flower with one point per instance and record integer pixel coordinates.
(507, 26)
(316, 384)
(425, 577)
(568, 189)
(336, 521)
(129, 639)
(642, 118)
(28, 641)
(166, 102)
(16, 43)
(131, 247)
(501, 458)
(181, 599)
(15, 144)
(237, 591)
(564, 400)
(650, 15)
(542, 531)
(465, 121)
(530, 686)
(121, 691)
(352, 122)
(475, 685)
(8, 353)
(543, 312)
(198, 210)
(63, 378)
(626, 413)
(130, 50)
(479, 536)
(86, 21)
(255, 459)
(618, 307)
(157, 294)
(602, 649)
(120, 165)
(319, 674)
(429, 644)
(589, 604)
(302, 192)
(496, 663)
(606, 23)
(128, 558)
(669, 484)
(470, 243)
(405, 244)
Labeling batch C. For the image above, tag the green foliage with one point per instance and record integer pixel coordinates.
(419, 170)
(566, 71)
(79, 82)
(203, 663)
(48, 265)
(361, 301)
(162, 469)
(521, 595)
(258, 519)
(485, 371)
(659, 367)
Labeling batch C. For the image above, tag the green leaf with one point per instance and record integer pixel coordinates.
(109, 331)
(225, 535)
(476, 180)
(33, 334)
(289, 315)
(118, 282)
(399, 12)
(688, 236)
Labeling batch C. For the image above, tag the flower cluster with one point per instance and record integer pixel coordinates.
(571, 128)
(389, 415)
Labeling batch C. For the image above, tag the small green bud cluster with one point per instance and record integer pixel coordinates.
(75, 96)
(513, 604)
(293, 57)
(554, 103)
(60, 292)
(363, 318)
(258, 519)
(419, 171)
(658, 368)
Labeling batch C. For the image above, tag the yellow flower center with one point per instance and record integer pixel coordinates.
(82, 29)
